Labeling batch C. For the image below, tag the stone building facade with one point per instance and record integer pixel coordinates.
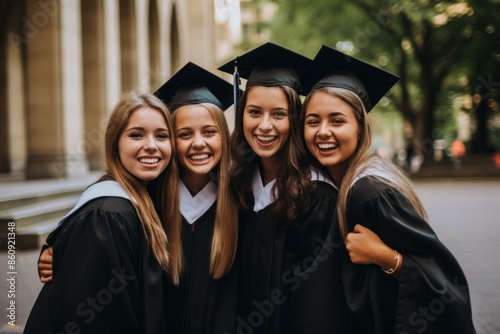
(64, 64)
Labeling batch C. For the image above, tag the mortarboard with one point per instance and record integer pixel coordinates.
(193, 84)
(332, 68)
(269, 65)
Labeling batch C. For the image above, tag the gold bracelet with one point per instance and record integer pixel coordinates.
(397, 258)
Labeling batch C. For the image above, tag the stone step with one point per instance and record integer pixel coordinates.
(33, 213)
(33, 222)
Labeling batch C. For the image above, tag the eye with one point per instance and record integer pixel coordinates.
(135, 135)
(337, 121)
(312, 122)
(184, 134)
(163, 135)
(253, 112)
(280, 114)
(210, 132)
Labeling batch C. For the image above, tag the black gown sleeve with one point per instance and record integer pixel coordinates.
(317, 303)
(96, 286)
(432, 294)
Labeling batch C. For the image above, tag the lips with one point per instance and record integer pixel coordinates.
(327, 148)
(266, 140)
(149, 161)
(199, 157)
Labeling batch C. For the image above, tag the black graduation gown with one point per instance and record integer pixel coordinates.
(105, 280)
(201, 304)
(275, 256)
(431, 296)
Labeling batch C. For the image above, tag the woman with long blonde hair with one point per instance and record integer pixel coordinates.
(205, 300)
(113, 253)
(396, 274)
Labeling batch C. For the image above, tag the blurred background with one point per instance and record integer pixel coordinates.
(64, 64)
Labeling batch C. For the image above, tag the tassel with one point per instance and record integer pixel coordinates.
(236, 90)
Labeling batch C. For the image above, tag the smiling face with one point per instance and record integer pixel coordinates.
(330, 131)
(266, 125)
(198, 140)
(144, 146)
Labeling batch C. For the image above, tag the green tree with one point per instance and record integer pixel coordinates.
(420, 40)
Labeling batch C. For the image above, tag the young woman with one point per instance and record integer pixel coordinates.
(284, 214)
(205, 300)
(111, 255)
(397, 276)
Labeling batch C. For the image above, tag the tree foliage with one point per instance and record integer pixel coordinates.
(431, 45)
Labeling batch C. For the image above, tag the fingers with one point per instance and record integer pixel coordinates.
(46, 279)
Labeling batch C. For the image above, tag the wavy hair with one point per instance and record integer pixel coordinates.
(364, 158)
(160, 213)
(293, 183)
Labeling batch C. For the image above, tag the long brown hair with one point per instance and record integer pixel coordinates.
(292, 183)
(364, 158)
(162, 231)
(225, 237)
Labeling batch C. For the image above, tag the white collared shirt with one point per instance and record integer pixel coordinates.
(193, 207)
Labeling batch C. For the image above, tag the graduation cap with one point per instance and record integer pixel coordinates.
(332, 68)
(193, 84)
(269, 65)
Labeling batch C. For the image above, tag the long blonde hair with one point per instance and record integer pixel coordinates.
(225, 236)
(365, 158)
(162, 231)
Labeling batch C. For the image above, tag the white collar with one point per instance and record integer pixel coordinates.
(319, 176)
(263, 195)
(101, 189)
(374, 168)
(192, 208)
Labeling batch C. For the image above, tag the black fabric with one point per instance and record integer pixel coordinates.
(432, 294)
(105, 280)
(332, 68)
(201, 304)
(193, 84)
(269, 65)
(276, 282)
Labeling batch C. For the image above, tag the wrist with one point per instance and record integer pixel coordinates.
(396, 264)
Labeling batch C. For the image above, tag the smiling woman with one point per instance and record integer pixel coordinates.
(205, 300)
(144, 146)
(396, 275)
(285, 207)
(114, 254)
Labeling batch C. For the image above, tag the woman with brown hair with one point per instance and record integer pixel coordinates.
(112, 258)
(286, 209)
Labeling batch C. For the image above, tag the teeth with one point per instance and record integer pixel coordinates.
(199, 157)
(327, 146)
(149, 160)
(266, 138)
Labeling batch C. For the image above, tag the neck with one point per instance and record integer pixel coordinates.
(194, 182)
(268, 170)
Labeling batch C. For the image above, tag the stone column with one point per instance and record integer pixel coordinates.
(54, 90)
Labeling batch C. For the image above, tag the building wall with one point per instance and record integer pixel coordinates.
(64, 64)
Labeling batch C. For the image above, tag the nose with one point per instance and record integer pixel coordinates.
(265, 124)
(150, 144)
(198, 141)
(324, 130)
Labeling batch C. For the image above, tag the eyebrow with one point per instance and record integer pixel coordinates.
(140, 128)
(259, 107)
(334, 113)
(203, 127)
